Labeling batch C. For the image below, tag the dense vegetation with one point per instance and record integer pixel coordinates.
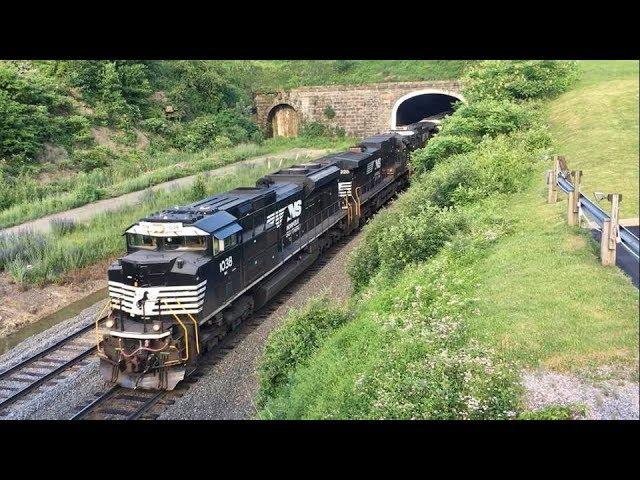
(407, 350)
(75, 131)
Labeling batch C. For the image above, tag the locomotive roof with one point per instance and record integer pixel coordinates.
(420, 126)
(216, 211)
(378, 139)
(356, 159)
(310, 175)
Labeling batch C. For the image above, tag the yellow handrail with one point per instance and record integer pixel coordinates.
(357, 195)
(196, 327)
(186, 333)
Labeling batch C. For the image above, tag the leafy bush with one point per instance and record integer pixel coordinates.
(438, 148)
(91, 159)
(119, 89)
(447, 179)
(317, 129)
(31, 112)
(203, 131)
(394, 240)
(488, 117)
(199, 188)
(222, 142)
(293, 343)
(205, 88)
(87, 193)
(518, 80)
(156, 125)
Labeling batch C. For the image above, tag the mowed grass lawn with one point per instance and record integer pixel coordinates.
(545, 300)
(596, 128)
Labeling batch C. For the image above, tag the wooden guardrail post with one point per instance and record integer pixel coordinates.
(573, 216)
(552, 192)
(609, 230)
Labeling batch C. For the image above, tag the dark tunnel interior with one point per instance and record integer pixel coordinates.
(422, 106)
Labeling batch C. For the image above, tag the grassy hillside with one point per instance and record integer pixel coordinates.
(484, 278)
(596, 127)
(277, 74)
(547, 299)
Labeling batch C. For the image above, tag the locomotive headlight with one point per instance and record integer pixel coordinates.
(109, 323)
(156, 327)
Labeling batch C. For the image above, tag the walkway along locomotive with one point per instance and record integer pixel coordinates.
(194, 272)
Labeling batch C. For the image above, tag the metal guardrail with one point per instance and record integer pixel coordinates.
(595, 213)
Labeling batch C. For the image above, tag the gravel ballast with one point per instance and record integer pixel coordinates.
(611, 399)
(228, 389)
(62, 398)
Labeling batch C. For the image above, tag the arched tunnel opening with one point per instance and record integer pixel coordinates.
(283, 121)
(423, 106)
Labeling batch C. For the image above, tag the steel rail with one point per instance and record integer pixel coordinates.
(32, 386)
(46, 351)
(150, 402)
(112, 393)
(97, 401)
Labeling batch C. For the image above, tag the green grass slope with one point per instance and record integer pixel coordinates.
(546, 299)
(596, 126)
(272, 75)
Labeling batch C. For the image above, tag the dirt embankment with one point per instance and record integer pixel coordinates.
(21, 306)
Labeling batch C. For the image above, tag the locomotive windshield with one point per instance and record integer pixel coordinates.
(185, 243)
(147, 242)
(136, 240)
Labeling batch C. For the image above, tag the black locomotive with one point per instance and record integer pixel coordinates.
(192, 273)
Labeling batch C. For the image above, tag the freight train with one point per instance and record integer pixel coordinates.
(192, 273)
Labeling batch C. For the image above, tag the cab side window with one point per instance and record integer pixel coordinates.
(218, 246)
(231, 241)
(227, 244)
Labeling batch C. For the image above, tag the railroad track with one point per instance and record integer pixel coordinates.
(25, 378)
(119, 403)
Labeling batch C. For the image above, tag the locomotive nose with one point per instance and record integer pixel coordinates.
(148, 268)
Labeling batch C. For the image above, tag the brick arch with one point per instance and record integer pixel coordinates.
(437, 93)
(361, 110)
